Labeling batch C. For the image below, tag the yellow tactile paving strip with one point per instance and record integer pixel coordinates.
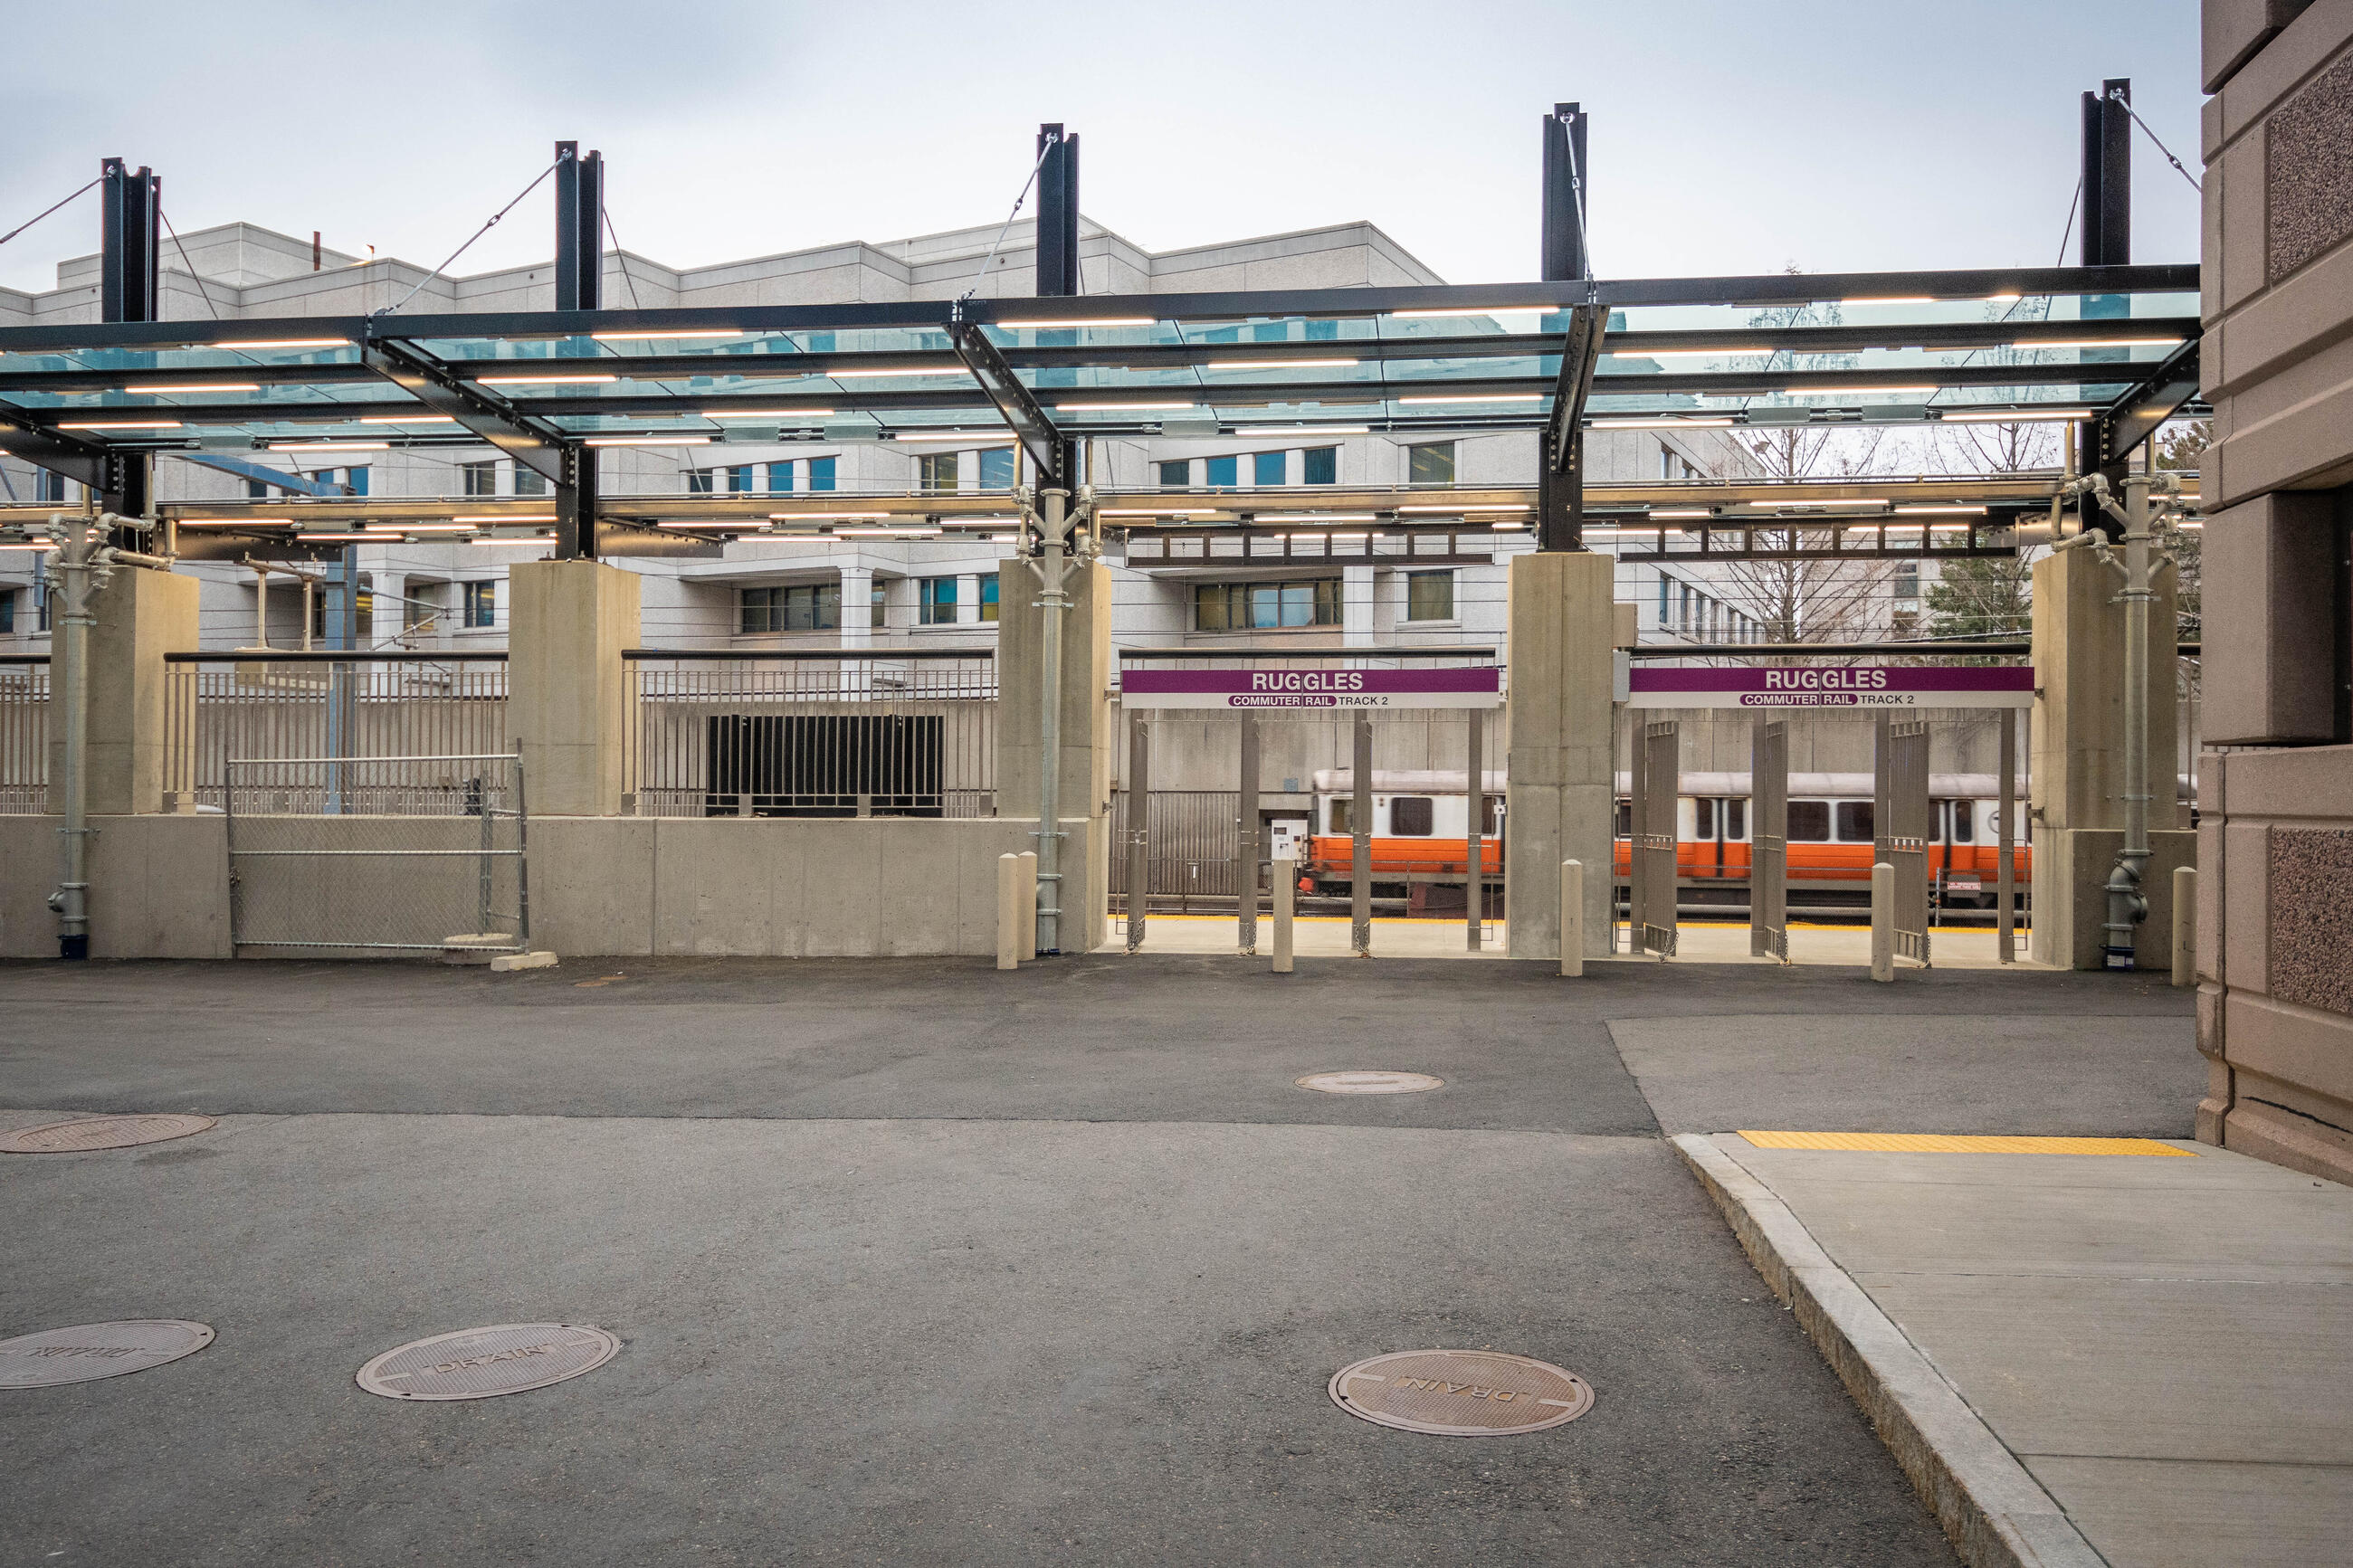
(1960, 1144)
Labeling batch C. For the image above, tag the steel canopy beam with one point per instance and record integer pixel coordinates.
(1048, 448)
(1560, 471)
(83, 462)
(491, 418)
(2131, 419)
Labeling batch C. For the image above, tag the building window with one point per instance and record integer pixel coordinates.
(935, 600)
(739, 478)
(420, 609)
(1268, 467)
(698, 481)
(356, 480)
(1224, 472)
(255, 490)
(1320, 465)
(1175, 476)
(1429, 595)
(936, 470)
(802, 607)
(41, 604)
(481, 605)
(1907, 580)
(988, 597)
(1247, 606)
(52, 486)
(530, 482)
(481, 478)
(820, 473)
(7, 611)
(780, 478)
(996, 467)
(1431, 464)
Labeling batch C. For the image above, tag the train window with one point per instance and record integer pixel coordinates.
(1703, 819)
(1491, 814)
(1625, 828)
(1342, 812)
(1854, 821)
(1735, 820)
(1809, 822)
(1964, 822)
(1409, 815)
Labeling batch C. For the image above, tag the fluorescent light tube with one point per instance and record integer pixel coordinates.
(159, 386)
(581, 378)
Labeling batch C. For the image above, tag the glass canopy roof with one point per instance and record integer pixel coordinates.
(2056, 343)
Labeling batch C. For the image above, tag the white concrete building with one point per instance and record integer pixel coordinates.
(771, 590)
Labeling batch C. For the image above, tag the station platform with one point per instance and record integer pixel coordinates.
(1696, 941)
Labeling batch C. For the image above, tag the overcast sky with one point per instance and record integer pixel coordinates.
(1728, 136)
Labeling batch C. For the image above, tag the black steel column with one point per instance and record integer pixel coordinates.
(2106, 242)
(130, 280)
(1560, 475)
(579, 286)
(1058, 243)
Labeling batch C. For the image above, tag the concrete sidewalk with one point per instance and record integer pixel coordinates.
(2140, 1361)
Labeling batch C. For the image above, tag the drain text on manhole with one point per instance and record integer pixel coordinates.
(89, 1351)
(1369, 1081)
(477, 1364)
(85, 1133)
(1461, 1394)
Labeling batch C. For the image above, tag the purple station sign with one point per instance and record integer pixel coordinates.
(1849, 685)
(1480, 687)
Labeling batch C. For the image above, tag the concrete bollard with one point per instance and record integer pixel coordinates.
(1572, 918)
(1029, 858)
(1009, 912)
(2185, 925)
(1286, 892)
(1882, 922)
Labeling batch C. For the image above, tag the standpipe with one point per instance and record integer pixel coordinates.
(1053, 555)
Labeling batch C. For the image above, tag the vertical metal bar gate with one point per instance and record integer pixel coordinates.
(1657, 786)
(1360, 826)
(1246, 842)
(1768, 838)
(2005, 819)
(1899, 818)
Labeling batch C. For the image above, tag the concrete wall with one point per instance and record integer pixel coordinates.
(1560, 796)
(2276, 992)
(622, 886)
(140, 616)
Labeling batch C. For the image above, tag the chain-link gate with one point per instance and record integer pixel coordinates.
(385, 853)
(1903, 814)
(1657, 786)
(1768, 836)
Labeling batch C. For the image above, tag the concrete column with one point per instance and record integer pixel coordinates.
(1087, 734)
(2077, 814)
(1356, 606)
(967, 599)
(141, 614)
(568, 700)
(857, 604)
(1559, 794)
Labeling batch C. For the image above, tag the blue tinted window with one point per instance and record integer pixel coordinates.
(988, 597)
(996, 467)
(698, 481)
(1267, 468)
(1321, 330)
(1321, 464)
(1223, 470)
(739, 478)
(780, 476)
(1174, 476)
(821, 473)
(1269, 332)
(357, 479)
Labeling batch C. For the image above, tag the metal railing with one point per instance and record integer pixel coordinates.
(285, 705)
(811, 732)
(24, 734)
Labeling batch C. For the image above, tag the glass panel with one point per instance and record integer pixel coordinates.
(1735, 820)
(780, 478)
(1964, 817)
(1343, 814)
(988, 597)
(997, 468)
(1854, 821)
(1222, 470)
(820, 473)
(1268, 467)
(1409, 815)
(1703, 819)
(1430, 464)
(1320, 465)
(1429, 596)
(1174, 476)
(1809, 822)
(1209, 607)
(1299, 604)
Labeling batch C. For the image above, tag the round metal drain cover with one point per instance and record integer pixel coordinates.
(86, 1132)
(1461, 1394)
(91, 1351)
(480, 1363)
(1369, 1082)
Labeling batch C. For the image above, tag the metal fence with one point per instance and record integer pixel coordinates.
(1903, 815)
(756, 732)
(23, 735)
(391, 853)
(342, 705)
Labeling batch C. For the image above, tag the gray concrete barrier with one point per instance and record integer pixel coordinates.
(1029, 882)
(1882, 922)
(1286, 892)
(2185, 925)
(1572, 918)
(1009, 923)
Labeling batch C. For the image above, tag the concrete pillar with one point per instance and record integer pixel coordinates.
(967, 599)
(141, 614)
(1087, 734)
(2076, 814)
(1560, 796)
(567, 695)
(1356, 606)
(857, 604)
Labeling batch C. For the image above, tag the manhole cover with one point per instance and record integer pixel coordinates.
(87, 1133)
(1461, 1394)
(89, 1351)
(1370, 1083)
(479, 1363)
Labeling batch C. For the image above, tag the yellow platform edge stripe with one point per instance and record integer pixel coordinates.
(1960, 1144)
